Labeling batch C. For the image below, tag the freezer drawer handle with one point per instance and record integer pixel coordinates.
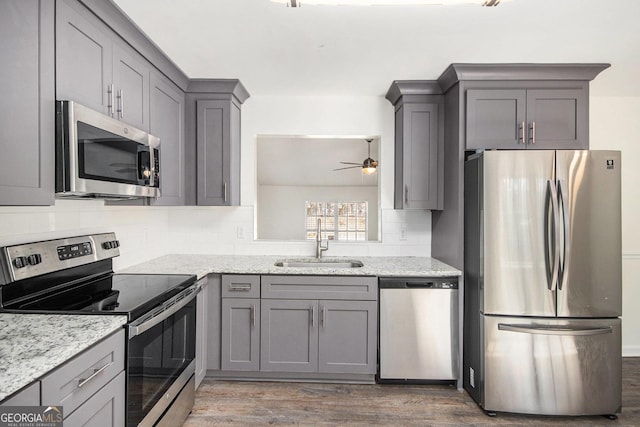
(554, 330)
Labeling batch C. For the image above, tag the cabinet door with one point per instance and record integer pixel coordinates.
(131, 85)
(289, 337)
(240, 334)
(348, 337)
(201, 333)
(106, 408)
(213, 145)
(496, 119)
(166, 121)
(420, 184)
(557, 119)
(83, 57)
(27, 103)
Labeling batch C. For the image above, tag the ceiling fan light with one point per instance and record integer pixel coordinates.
(369, 166)
(368, 170)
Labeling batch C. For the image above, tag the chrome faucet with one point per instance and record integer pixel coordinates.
(319, 247)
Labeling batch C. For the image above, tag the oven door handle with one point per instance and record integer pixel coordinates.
(167, 310)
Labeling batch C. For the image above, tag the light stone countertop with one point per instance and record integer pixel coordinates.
(201, 265)
(31, 345)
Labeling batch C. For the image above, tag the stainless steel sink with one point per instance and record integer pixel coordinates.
(319, 263)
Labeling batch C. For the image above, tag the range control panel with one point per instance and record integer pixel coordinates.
(33, 259)
(74, 251)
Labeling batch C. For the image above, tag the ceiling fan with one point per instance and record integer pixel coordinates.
(368, 166)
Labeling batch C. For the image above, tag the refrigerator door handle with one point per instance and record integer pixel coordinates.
(552, 237)
(554, 330)
(564, 259)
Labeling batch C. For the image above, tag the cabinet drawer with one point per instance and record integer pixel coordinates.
(80, 378)
(320, 287)
(240, 286)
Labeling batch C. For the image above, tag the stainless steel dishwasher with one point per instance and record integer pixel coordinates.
(418, 329)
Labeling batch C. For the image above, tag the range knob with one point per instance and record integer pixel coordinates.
(34, 259)
(20, 262)
(112, 244)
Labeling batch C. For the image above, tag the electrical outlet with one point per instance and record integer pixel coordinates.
(403, 233)
(240, 232)
(472, 380)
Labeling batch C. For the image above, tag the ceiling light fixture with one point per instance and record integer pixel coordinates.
(298, 3)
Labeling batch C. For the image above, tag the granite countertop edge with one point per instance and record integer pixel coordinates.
(202, 265)
(33, 345)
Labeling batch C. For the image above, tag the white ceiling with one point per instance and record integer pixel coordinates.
(351, 50)
(310, 161)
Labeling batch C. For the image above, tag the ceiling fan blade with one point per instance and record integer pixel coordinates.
(351, 163)
(348, 167)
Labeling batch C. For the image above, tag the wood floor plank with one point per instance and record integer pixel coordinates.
(239, 403)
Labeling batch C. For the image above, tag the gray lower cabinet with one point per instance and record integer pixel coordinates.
(324, 324)
(202, 331)
(96, 68)
(347, 336)
(91, 386)
(106, 408)
(240, 334)
(28, 111)
(289, 338)
(166, 121)
(28, 396)
(527, 118)
(419, 145)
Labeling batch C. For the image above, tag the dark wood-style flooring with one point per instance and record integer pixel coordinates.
(220, 403)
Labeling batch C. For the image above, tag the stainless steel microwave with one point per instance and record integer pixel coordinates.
(98, 156)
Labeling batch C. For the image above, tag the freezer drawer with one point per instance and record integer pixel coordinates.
(552, 367)
(418, 334)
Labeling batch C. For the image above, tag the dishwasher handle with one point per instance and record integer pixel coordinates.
(419, 283)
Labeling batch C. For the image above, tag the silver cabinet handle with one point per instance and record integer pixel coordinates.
(224, 190)
(110, 99)
(324, 316)
(313, 316)
(120, 103)
(532, 134)
(240, 287)
(253, 315)
(554, 330)
(83, 381)
(406, 193)
(521, 138)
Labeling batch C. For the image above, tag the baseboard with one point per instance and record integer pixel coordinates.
(631, 351)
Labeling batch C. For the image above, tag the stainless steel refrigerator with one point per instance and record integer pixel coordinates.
(543, 282)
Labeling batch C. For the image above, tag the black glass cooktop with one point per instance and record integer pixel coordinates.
(130, 294)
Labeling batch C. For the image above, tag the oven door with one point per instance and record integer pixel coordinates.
(161, 358)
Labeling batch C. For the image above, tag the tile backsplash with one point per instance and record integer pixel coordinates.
(149, 232)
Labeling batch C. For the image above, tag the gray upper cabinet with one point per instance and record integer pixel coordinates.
(532, 119)
(419, 144)
(166, 121)
(96, 68)
(27, 126)
(213, 112)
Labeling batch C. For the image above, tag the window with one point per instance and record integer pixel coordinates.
(343, 221)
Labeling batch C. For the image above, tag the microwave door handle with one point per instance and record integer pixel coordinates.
(138, 328)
